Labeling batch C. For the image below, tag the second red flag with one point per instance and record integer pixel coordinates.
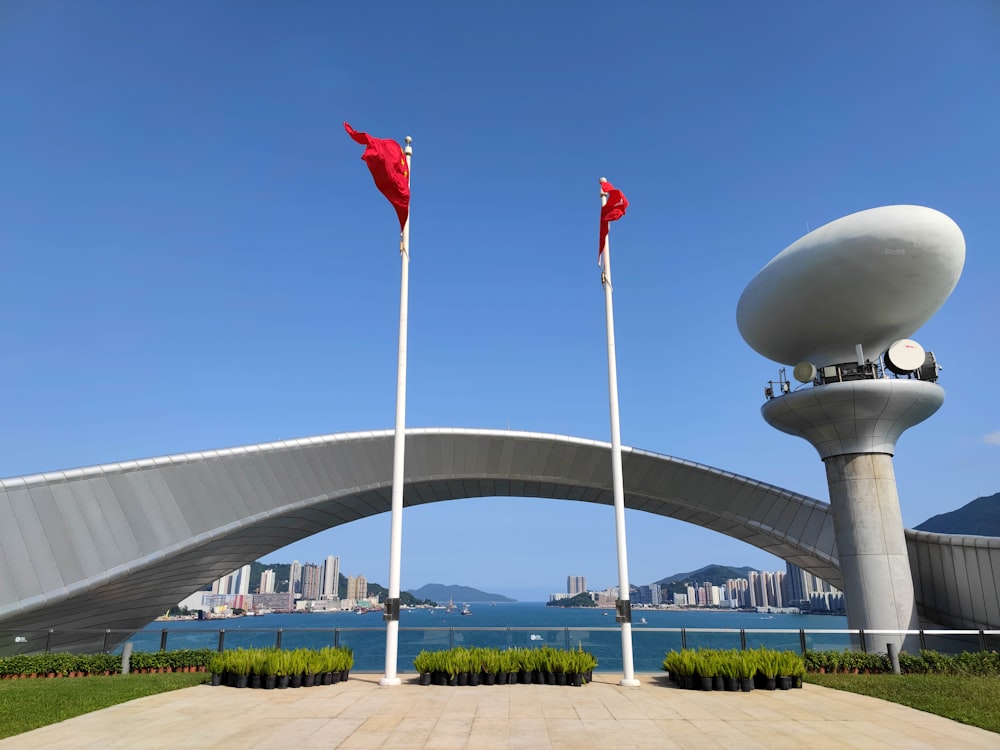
(612, 210)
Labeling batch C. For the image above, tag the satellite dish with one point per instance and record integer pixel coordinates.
(804, 372)
(904, 356)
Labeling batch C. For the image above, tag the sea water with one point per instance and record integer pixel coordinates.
(506, 625)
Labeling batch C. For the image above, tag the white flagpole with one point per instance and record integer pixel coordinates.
(624, 606)
(391, 614)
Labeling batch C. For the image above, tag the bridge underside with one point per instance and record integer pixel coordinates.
(114, 546)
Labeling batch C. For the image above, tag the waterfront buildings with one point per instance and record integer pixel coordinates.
(793, 590)
(311, 587)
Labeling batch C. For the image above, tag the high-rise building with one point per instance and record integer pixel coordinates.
(576, 585)
(295, 577)
(799, 587)
(312, 580)
(229, 584)
(267, 582)
(647, 594)
(331, 577)
(242, 583)
(357, 587)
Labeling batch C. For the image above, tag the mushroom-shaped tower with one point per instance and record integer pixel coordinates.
(839, 305)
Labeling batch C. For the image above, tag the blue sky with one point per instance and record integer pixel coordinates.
(195, 256)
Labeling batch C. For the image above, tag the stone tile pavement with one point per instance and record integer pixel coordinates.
(361, 714)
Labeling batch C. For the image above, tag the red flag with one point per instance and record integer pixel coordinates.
(612, 210)
(387, 163)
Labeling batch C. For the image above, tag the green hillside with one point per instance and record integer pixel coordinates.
(441, 593)
(714, 574)
(981, 517)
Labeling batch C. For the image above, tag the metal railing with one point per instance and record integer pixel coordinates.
(368, 644)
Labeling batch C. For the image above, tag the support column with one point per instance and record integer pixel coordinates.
(871, 546)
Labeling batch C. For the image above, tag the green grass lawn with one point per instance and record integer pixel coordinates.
(970, 700)
(29, 704)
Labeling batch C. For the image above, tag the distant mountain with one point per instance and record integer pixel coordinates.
(981, 517)
(440, 593)
(714, 574)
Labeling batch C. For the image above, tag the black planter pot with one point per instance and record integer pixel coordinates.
(327, 678)
(770, 683)
(425, 678)
(295, 680)
(308, 680)
(439, 678)
(561, 678)
(488, 678)
(784, 683)
(283, 681)
(796, 682)
(550, 678)
(731, 684)
(242, 680)
(344, 674)
(452, 680)
(334, 678)
(270, 681)
(706, 683)
(578, 680)
(463, 678)
(718, 682)
(524, 678)
(512, 678)
(474, 679)
(537, 677)
(746, 684)
(216, 679)
(256, 681)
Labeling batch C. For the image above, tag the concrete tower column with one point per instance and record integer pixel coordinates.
(870, 542)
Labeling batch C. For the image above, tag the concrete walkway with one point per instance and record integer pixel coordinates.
(361, 714)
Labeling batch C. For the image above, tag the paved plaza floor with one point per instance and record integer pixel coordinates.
(361, 714)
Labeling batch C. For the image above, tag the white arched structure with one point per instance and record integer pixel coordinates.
(114, 546)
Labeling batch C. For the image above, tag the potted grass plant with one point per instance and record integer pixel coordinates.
(767, 669)
(791, 667)
(728, 667)
(423, 662)
(217, 666)
(746, 668)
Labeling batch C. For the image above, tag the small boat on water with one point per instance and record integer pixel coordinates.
(465, 610)
(642, 620)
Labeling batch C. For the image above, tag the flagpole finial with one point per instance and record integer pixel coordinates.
(602, 180)
(409, 149)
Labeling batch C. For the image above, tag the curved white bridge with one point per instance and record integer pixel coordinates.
(114, 546)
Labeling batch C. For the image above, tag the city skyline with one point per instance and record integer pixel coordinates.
(197, 257)
(793, 589)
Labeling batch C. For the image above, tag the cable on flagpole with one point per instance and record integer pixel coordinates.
(605, 280)
(403, 238)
